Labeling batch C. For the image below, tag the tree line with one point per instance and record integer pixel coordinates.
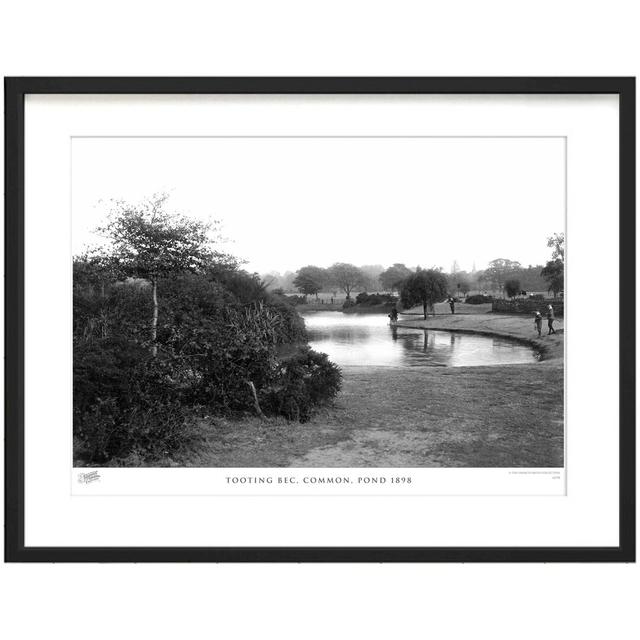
(501, 275)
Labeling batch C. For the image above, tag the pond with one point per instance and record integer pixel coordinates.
(368, 340)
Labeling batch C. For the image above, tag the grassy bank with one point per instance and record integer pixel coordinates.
(494, 416)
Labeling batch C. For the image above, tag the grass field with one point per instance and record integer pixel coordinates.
(494, 416)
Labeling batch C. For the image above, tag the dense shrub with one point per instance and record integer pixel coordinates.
(372, 299)
(291, 328)
(245, 287)
(527, 306)
(512, 287)
(212, 344)
(478, 299)
(126, 402)
(301, 383)
(295, 300)
(166, 328)
(120, 310)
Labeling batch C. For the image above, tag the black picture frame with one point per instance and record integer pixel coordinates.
(15, 91)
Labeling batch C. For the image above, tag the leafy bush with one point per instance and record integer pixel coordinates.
(244, 287)
(348, 303)
(127, 402)
(167, 328)
(301, 383)
(291, 327)
(372, 299)
(123, 309)
(478, 299)
(512, 287)
(295, 299)
(211, 347)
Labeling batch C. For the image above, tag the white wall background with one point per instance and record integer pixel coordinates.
(333, 37)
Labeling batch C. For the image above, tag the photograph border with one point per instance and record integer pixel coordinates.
(15, 91)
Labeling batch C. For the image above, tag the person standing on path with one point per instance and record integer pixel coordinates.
(452, 304)
(550, 319)
(537, 321)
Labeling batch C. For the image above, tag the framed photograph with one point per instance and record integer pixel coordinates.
(320, 319)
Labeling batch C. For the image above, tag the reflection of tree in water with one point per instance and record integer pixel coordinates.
(421, 346)
(347, 335)
(397, 345)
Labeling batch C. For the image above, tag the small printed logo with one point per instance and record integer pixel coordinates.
(87, 478)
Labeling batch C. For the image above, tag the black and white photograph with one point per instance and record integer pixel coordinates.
(320, 319)
(319, 301)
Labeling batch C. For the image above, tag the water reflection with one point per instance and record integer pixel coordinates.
(367, 339)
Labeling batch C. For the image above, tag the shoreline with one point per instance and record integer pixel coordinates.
(516, 328)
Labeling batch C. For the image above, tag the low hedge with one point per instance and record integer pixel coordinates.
(479, 299)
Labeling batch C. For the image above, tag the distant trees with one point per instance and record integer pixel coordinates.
(393, 277)
(275, 280)
(530, 278)
(426, 287)
(310, 280)
(499, 270)
(459, 282)
(512, 287)
(463, 285)
(346, 276)
(553, 271)
(481, 280)
(371, 276)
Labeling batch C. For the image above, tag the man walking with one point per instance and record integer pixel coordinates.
(452, 304)
(550, 319)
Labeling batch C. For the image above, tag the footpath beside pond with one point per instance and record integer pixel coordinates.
(488, 416)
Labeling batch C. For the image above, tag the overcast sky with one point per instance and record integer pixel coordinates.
(287, 202)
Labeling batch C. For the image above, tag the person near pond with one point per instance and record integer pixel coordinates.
(393, 316)
(537, 321)
(550, 318)
(452, 304)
